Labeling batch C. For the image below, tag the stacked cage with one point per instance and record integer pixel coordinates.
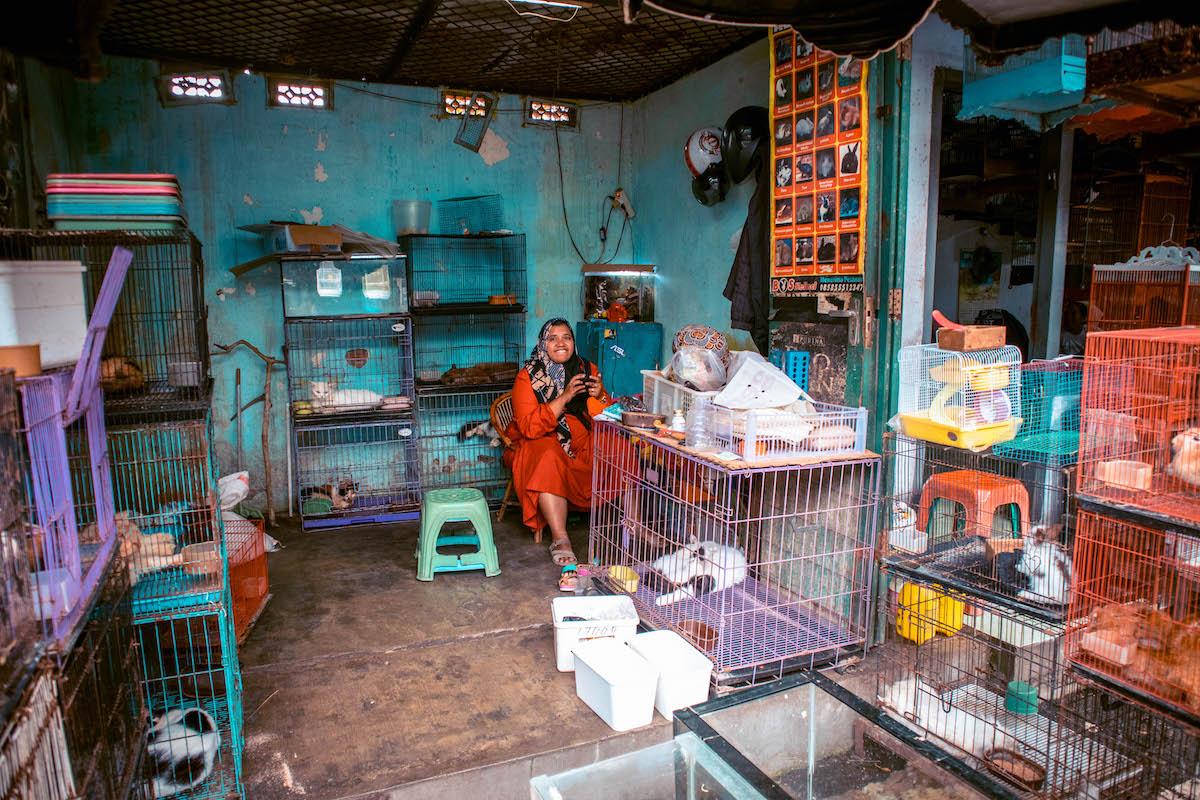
(19, 623)
(349, 350)
(1155, 288)
(155, 356)
(468, 300)
(766, 569)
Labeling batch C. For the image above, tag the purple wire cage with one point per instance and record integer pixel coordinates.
(69, 476)
(766, 569)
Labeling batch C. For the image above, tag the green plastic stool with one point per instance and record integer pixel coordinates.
(440, 506)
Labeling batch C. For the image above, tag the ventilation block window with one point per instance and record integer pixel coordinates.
(285, 92)
(549, 113)
(454, 104)
(194, 87)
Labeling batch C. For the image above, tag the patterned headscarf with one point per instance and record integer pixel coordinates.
(549, 378)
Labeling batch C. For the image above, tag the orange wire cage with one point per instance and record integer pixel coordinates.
(1139, 444)
(248, 582)
(1136, 609)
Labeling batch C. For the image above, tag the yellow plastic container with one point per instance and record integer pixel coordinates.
(920, 426)
(987, 378)
(925, 611)
(624, 577)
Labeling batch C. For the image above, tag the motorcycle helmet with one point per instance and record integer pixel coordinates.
(709, 187)
(703, 148)
(745, 130)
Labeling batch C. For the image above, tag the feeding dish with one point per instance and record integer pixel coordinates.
(641, 419)
(701, 634)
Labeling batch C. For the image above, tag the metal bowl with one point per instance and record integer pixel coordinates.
(641, 419)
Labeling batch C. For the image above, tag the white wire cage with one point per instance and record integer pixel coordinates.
(969, 400)
(765, 569)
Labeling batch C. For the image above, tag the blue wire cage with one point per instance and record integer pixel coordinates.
(189, 661)
(1049, 432)
(456, 273)
(349, 367)
(470, 215)
(459, 447)
(468, 351)
(357, 473)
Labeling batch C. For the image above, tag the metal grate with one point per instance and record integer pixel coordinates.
(466, 215)
(195, 88)
(156, 358)
(463, 43)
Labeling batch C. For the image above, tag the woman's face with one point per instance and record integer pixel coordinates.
(560, 344)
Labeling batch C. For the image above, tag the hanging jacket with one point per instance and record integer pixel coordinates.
(749, 286)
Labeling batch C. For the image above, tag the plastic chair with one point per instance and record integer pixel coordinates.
(439, 506)
(980, 494)
(501, 414)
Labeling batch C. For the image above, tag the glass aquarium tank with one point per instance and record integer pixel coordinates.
(345, 287)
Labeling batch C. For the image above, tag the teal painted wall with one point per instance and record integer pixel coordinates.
(692, 245)
(246, 163)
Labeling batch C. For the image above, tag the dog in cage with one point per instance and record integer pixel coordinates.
(182, 746)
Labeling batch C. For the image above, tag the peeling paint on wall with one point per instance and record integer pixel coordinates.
(313, 217)
(251, 289)
(322, 141)
(247, 199)
(285, 130)
(493, 149)
(319, 173)
(227, 291)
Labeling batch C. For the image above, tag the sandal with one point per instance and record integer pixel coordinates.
(561, 553)
(569, 580)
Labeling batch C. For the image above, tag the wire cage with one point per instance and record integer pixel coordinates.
(169, 529)
(968, 400)
(1049, 432)
(99, 686)
(453, 274)
(1141, 399)
(19, 627)
(468, 351)
(764, 569)
(991, 685)
(1137, 594)
(357, 473)
(156, 358)
(1150, 290)
(355, 286)
(193, 690)
(248, 583)
(992, 526)
(69, 488)
(349, 366)
(34, 761)
(459, 446)
(470, 215)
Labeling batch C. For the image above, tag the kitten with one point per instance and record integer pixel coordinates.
(325, 399)
(699, 568)
(341, 494)
(1048, 568)
(1185, 456)
(182, 747)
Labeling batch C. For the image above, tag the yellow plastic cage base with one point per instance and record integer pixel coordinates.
(920, 426)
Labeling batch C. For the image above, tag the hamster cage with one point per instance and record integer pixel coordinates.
(967, 400)
(766, 569)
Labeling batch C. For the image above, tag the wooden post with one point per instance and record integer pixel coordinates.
(270, 362)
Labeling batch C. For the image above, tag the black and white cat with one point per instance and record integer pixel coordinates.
(183, 746)
(481, 428)
(699, 568)
(1048, 567)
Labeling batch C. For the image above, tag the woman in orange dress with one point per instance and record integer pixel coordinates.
(552, 434)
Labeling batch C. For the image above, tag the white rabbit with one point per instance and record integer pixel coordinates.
(921, 707)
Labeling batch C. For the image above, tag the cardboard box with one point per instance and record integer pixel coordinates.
(283, 237)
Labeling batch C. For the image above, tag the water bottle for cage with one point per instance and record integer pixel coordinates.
(700, 426)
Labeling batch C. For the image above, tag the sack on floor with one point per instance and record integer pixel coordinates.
(233, 489)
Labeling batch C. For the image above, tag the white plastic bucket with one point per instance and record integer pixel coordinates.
(683, 671)
(616, 683)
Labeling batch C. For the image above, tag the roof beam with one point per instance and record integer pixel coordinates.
(420, 21)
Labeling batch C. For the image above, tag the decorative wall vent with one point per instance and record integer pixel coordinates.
(548, 113)
(455, 103)
(195, 87)
(285, 92)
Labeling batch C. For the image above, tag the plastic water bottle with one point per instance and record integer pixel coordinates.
(699, 426)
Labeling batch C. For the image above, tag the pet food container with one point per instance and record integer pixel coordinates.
(683, 671)
(1021, 698)
(580, 619)
(411, 217)
(624, 579)
(41, 302)
(616, 683)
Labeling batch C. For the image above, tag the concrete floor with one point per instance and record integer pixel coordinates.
(362, 682)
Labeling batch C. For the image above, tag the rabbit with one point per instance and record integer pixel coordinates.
(699, 568)
(182, 746)
(850, 159)
(1048, 568)
(325, 399)
(1185, 456)
(921, 706)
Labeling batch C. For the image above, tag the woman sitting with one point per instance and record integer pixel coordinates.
(551, 432)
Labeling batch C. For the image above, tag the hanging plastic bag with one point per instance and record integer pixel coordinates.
(760, 384)
(233, 489)
(697, 368)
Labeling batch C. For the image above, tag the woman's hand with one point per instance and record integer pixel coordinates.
(574, 388)
(595, 388)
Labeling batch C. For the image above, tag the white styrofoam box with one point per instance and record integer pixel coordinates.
(41, 302)
(605, 616)
(683, 671)
(616, 683)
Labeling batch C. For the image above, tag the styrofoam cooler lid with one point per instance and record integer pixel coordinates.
(615, 662)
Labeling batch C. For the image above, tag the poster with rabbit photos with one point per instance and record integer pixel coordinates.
(820, 142)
